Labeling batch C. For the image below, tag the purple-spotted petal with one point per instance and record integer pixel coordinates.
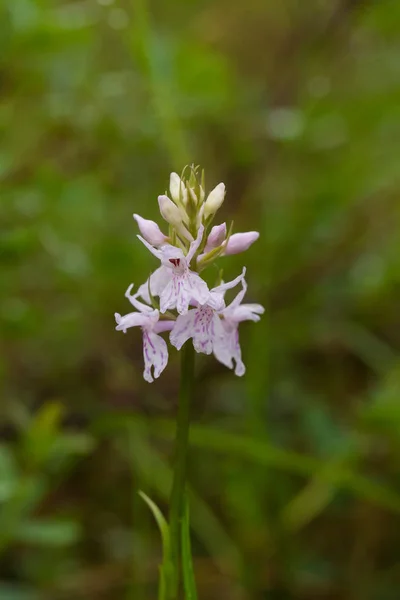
(169, 295)
(155, 354)
(183, 329)
(181, 290)
(228, 352)
(207, 329)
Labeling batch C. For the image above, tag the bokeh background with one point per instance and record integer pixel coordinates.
(295, 480)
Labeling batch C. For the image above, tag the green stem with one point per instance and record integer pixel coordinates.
(180, 466)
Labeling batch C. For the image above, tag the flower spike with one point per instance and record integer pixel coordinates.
(175, 298)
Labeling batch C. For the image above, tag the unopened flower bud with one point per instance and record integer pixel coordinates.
(216, 237)
(239, 242)
(177, 189)
(150, 231)
(193, 196)
(169, 210)
(214, 200)
(173, 216)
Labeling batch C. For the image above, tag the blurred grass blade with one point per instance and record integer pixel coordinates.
(268, 455)
(189, 582)
(159, 517)
(51, 533)
(166, 573)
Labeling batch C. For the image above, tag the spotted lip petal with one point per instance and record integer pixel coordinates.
(180, 291)
(227, 347)
(202, 324)
(155, 350)
(228, 352)
(155, 354)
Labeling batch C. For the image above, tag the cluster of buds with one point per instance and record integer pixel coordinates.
(175, 298)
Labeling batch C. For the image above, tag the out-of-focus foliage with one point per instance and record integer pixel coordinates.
(295, 468)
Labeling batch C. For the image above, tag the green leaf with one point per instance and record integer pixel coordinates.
(159, 517)
(166, 568)
(189, 582)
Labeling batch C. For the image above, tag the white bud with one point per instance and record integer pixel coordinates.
(169, 210)
(173, 216)
(214, 200)
(177, 189)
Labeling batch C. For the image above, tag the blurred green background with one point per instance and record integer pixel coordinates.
(295, 477)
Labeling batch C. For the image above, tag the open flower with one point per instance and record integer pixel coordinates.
(155, 350)
(174, 282)
(203, 323)
(227, 347)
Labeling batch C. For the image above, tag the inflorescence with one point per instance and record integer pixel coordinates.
(175, 298)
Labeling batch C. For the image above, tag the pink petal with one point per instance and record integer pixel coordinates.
(158, 281)
(150, 231)
(183, 329)
(169, 295)
(194, 246)
(196, 288)
(244, 312)
(162, 326)
(154, 251)
(231, 284)
(133, 319)
(135, 302)
(228, 351)
(239, 242)
(216, 237)
(155, 354)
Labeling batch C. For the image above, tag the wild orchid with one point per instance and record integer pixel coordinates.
(191, 245)
(176, 300)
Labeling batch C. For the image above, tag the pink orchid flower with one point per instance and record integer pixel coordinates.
(155, 350)
(174, 282)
